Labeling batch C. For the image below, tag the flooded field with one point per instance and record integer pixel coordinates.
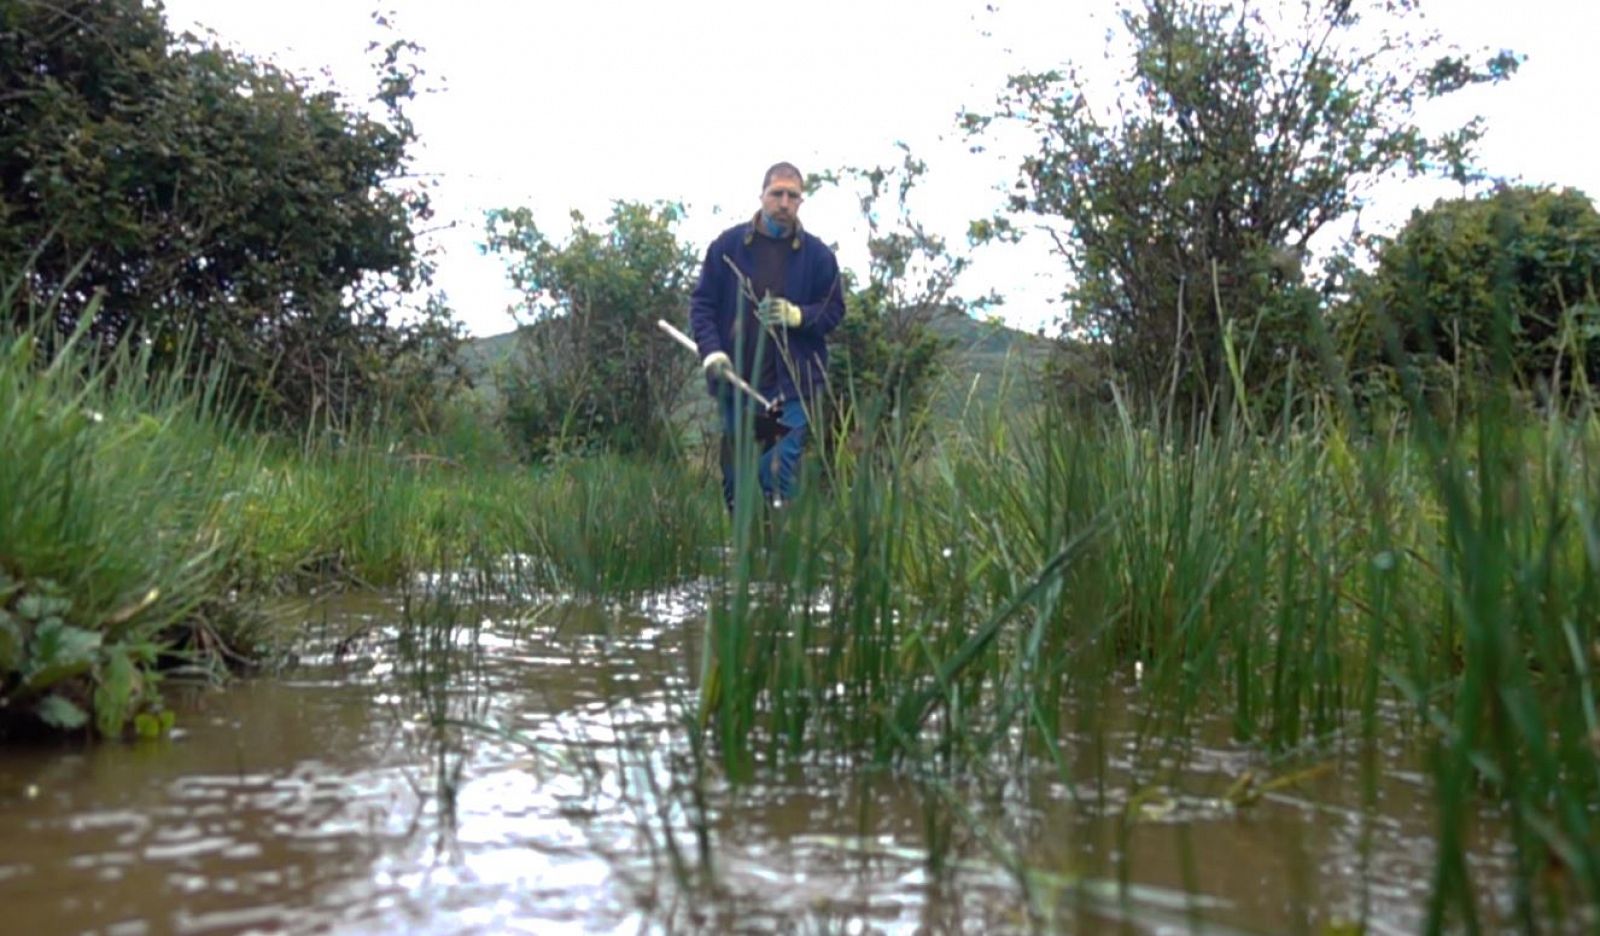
(533, 772)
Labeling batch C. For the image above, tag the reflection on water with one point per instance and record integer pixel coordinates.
(538, 780)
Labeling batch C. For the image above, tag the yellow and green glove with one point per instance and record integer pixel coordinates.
(776, 312)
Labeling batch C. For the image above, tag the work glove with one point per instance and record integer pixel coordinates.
(717, 364)
(774, 311)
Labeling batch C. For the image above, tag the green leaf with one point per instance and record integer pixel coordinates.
(61, 713)
(151, 725)
(113, 697)
(36, 607)
(11, 641)
(59, 651)
(146, 726)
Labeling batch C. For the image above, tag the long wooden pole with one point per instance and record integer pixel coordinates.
(727, 374)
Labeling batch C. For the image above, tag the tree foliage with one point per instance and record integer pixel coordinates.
(1185, 207)
(886, 357)
(220, 207)
(594, 371)
(1512, 275)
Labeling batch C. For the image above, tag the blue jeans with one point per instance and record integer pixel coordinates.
(777, 463)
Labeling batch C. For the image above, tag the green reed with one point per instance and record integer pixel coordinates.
(607, 526)
(138, 518)
(110, 493)
(945, 610)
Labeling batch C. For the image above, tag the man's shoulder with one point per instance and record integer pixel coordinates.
(733, 234)
(815, 243)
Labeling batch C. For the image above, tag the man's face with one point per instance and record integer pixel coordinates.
(781, 199)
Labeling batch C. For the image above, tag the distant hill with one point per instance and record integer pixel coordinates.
(480, 355)
(976, 345)
(984, 356)
(981, 354)
(980, 336)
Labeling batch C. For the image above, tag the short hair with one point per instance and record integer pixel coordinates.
(785, 169)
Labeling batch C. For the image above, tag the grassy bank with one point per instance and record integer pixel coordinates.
(136, 520)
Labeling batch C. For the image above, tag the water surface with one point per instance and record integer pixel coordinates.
(537, 778)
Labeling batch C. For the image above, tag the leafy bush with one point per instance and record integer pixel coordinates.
(221, 208)
(1520, 264)
(465, 429)
(886, 357)
(1183, 206)
(593, 371)
(881, 370)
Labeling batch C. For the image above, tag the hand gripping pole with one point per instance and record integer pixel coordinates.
(727, 375)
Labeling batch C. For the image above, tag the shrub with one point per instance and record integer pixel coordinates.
(220, 207)
(592, 371)
(1501, 283)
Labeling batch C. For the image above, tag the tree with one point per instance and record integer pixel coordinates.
(1185, 209)
(1515, 271)
(220, 208)
(594, 370)
(887, 357)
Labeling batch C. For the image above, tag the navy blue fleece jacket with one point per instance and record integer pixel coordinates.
(719, 310)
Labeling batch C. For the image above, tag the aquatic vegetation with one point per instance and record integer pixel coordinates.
(955, 606)
(1314, 588)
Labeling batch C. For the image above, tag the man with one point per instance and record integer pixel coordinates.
(768, 295)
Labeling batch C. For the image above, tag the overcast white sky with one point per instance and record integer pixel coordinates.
(557, 105)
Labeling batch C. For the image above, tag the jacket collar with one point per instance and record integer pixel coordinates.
(754, 225)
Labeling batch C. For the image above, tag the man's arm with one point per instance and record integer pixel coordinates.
(703, 303)
(824, 315)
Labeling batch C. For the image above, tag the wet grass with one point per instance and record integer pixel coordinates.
(1315, 588)
(371, 514)
(137, 521)
(110, 497)
(950, 607)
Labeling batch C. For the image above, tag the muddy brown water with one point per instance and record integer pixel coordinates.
(327, 799)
